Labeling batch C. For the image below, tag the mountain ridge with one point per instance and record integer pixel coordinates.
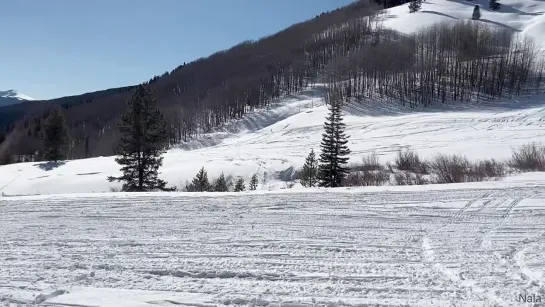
(12, 96)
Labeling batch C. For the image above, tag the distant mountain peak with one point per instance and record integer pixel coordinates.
(13, 94)
(10, 97)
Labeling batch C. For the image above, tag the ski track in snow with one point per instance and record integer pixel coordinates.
(354, 248)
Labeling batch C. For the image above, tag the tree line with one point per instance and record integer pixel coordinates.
(459, 61)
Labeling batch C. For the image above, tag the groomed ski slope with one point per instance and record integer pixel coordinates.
(479, 244)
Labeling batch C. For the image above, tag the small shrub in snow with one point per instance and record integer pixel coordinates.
(449, 169)
(368, 163)
(409, 160)
(529, 158)
(408, 178)
(455, 168)
(486, 170)
(367, 178)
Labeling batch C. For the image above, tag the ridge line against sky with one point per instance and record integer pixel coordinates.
(59, 48)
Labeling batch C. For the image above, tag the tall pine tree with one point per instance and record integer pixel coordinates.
(143, 141)
(333, 158)
(239, 186)
(200, 182)
(310, 171)
(254, 182)
(220, 184)
(55, 136)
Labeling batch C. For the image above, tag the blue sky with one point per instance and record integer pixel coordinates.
(54, 48)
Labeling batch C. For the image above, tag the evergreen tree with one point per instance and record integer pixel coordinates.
(333, 158)
(220, 185)
(494, 5)
(310, 170)
(143, 139)
(239, 186)
(476, 13)
(200, 182)
(415, 6)
(253, 183)
(55, 136)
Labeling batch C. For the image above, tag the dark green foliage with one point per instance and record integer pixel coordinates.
(494, 5)
(333, 158)
(239, 186)
(476, 13)
(55, 136)
(254, 182)
(200, 182)
(143, 139)
(415, 6)
(220, 184)
(310, 171)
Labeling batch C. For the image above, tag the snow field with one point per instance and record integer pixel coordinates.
(472, 245)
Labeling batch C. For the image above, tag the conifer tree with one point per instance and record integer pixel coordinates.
(310, 170)
(494, 5)
(200, 182)
(415, 6)
(143, 140)
(55, 136)
(239, 186)
(476, 13)
(332, 169)
(253, 183)
(220, 185)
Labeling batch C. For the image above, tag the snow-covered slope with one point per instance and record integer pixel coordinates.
(522, 16)
(12, 97)
(270, 141)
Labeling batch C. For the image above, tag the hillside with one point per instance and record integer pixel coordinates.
(272, 141)
(197, 97)
(253, 74)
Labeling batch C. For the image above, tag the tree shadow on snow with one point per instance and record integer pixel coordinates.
(438, 13)
(503, 9)
(48, 166)
(499, 24)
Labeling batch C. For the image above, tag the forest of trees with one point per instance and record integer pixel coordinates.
(346, 48)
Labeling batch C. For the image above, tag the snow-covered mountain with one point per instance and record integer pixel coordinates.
(12, 97)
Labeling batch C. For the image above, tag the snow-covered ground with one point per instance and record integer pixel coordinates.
(479, 244)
